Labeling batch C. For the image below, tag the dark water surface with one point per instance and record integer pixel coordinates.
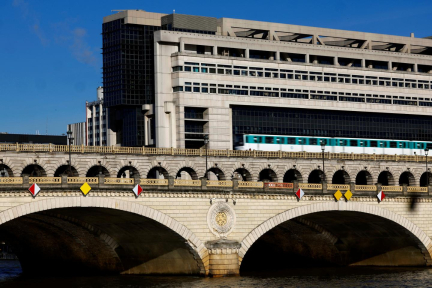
(10, 276)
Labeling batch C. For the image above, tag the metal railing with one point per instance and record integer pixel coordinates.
(211, 152)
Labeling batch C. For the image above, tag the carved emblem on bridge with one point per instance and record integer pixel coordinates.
(221, 218)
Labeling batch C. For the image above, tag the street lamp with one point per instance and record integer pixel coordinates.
(69, 136)
(426, 150)
(322, 149)
(206, 140)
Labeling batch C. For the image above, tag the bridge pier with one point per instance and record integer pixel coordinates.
(223, 258)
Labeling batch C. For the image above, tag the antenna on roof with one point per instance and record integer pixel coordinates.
(174, 11)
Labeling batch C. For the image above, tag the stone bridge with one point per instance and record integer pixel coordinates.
(219, 227)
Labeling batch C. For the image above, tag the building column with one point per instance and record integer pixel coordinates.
(390, 65)
(247, 53)
(223, 257)
(415, 67)
(363, 63)
(215, 48)
(336, 61)
(277, 55)
(307, 60)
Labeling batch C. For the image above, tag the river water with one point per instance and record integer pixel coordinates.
(10, 276)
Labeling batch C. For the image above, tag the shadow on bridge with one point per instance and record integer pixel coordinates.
(95, 240)
(334, 238)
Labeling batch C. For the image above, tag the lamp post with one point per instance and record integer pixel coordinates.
(322, 149)
(426, 150)
(206, 140)
(69, 136)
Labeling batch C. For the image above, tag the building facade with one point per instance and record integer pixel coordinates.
(78, 133)
(227, 77)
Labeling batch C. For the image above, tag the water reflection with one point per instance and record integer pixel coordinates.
(10, 276)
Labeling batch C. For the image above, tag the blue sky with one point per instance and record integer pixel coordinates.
(50, 50)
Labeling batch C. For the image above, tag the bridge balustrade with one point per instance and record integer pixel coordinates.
(45, 180)
(11, 180)
(417, 189)
(119, 181)
(311, 186)
(202, 152)
(250, 184)
(219, 183)
(392, 188)
(275, 185)
(338, 187)
(154, 182)
(365, 187)
(179, 182)
(81, 180)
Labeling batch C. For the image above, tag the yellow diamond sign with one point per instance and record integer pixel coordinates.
(348, 195)
(337, 195)
(85, 188)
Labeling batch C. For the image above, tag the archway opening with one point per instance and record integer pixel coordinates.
(64, 170)
(34, 170)
(364, 178)
(158, 172)
(76, 241)
(242, 174)
(267, 175)
(128, 172)
(341, 177)
(5, 171)
(215, 173)
(386, 178)
(292, 175)
(406, 178)
(316, 176)
(187, 173)
(333, 238)
(97, 170)
(426, 179)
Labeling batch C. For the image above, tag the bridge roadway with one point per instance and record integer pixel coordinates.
(218, 227)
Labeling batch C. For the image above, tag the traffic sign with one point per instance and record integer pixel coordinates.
(34, 189)
(299, 193)
(137, 190)
(381, 196)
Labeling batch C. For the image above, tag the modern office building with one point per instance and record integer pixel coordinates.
(171, 79)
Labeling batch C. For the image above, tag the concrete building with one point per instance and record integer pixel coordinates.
(78, 133)
(96, 122)
(229, 77)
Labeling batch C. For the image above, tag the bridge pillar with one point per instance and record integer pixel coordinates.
(170, 182)
(324, 187)
(101, 179)
(203, 183)
(235, 184)
(223, 257)
(352, 187)
(405, 189)
(430, 189)
(64, 180)
(25, 179)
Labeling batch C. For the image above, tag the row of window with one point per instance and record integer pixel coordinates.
(336, 142)
(303, 75)
(302, 94)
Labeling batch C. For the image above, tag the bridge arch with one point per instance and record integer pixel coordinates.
(364, 177)
(5, 171)
(158, 172)
(215, 172)
(191, 173)
(292, 175)
(407, 178)
(422, 242)
(386, 178)
(34, 170)
(316, 176)
(128, 171)
(195, 246)
(242, 174)
(268, 175)
(341, 177)
(96, 170)
(426, 179)
(64, 169)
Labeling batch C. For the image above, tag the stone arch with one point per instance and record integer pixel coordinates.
(34, 170)
(407, 178)
(128, 171)
(187, 172)
(195, 245)
(242, 174)
(422, 239)
(268, 175)
(96, 170)
(424, 181)
(341, 177)
(364, 177)
(315, 176)
(386, 178)
(215, 173)
(292, 175)
(157, 172)
(64, 170)
(6, 171)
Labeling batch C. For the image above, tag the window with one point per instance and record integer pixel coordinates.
(313, 141)
(291, 140)
(269, 140)
(353, 143)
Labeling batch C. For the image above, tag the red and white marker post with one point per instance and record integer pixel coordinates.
(381, 196)
(137, 190)
(299, 193)
(34, 189)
